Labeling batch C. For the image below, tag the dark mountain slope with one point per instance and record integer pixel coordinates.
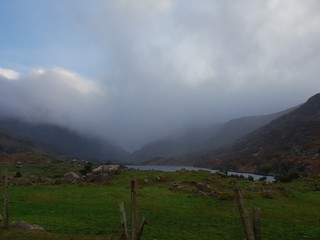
(10, 144)
(64, 141)
(202, 138)
(191, 140)
(288, 144)
(232, 130)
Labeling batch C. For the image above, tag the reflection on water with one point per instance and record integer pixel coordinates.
(175, 168)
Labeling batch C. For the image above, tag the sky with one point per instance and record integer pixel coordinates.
(133, 71)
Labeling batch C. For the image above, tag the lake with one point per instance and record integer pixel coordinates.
(175, 168)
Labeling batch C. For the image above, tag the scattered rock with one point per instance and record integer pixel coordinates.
(110, 169)
(255, 188)
(89, 177)
(175, 186)
(26, 226)
(214, 195)
(59, 181)
(71, 177)
(203, 187)
(22, 181)
(19, 165)
(101, 178)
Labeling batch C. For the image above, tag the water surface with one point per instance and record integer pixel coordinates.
(175, 168)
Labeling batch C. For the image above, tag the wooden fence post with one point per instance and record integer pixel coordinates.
(244, 215)
(5, 201)
(133, 208)
(124, 220)
(143, 222)
(256, 223)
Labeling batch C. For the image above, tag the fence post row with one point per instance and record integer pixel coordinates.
(244, 215)
(256, 223)
(124, 220)
(134, 208)
(5, 201)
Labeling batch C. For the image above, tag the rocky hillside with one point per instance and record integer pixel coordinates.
(288, 145)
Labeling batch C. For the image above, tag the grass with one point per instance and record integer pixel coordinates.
(70, 211)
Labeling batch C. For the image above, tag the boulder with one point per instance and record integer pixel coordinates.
(22, 181)
(26, 226)
(71, 177)
(175, 186)
(89, 177)
(101, 178)
(203, 187)
(110, 169)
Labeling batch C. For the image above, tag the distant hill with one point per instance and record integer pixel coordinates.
(288, 145)
(196, 139)
(10, 144)
(234, 129)
(24, 150)
(64, 141)
(192, 139)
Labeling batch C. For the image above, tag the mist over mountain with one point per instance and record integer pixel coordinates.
(135, 71)
(64, 141)
(289, 144)
(10, 144)
(201, 138)
(189, 140)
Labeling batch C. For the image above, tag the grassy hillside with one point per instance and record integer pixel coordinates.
(179, 205)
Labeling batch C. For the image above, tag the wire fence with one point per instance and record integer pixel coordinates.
(93, 210)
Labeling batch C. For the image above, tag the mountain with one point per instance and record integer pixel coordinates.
(24, 150)
(188, 141)
(288, 145)
(201, 138)
(64, 141)
(234, 129)
(10, 144)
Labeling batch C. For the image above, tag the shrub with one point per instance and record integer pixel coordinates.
(287, 177)
(86, 169)
(18, 175)
(250, 178)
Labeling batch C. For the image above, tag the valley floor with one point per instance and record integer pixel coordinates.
(177, 205)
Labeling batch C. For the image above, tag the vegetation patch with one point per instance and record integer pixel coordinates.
(177, 205)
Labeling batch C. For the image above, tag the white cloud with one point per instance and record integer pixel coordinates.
(53, 96)
(71, 80)
(8, 74)
(169, 63)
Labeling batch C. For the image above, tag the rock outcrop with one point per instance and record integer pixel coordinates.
(26, 226)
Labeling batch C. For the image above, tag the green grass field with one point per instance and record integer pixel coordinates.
(71, 211)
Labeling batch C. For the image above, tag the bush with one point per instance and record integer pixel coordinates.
(18, 175)
(86, 169)
(287, 177)
(250, 178)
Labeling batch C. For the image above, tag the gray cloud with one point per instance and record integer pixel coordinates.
(167, 64)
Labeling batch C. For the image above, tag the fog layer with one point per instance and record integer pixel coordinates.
(155, 67)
